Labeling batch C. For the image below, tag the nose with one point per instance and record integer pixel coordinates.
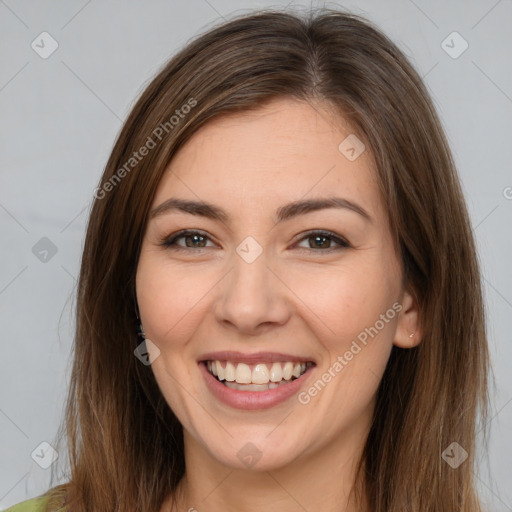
(252, 296)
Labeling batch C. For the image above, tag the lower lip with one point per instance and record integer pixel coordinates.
(253, 400)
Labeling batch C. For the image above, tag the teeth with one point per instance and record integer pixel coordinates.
(276, 373)
(254, 387)
(220, 370)
(242, 373)
(230, 373)
(258, 376)
(287, 371)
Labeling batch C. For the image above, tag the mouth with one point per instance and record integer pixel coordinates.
(255, 381)
(257, 377)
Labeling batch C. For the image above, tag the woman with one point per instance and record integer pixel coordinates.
(279, 304)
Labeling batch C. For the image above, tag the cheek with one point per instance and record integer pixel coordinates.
(170, 298)
(344, 300)
(354, 321)
(171, 303)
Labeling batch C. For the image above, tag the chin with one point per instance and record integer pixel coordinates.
(256, 450)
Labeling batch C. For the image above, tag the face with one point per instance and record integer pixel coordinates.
(263, 289)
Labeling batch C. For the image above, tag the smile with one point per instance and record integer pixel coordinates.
(255, 381)
(256, 377)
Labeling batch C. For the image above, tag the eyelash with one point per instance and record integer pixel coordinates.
(170, 242)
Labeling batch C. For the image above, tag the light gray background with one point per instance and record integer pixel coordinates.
(59, 118)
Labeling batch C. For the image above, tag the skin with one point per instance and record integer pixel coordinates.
(296, 297)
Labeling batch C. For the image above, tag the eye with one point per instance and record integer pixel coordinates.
(197, 240)
(322, 240)
(193, 240)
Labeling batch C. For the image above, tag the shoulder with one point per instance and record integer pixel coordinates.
(32, 505)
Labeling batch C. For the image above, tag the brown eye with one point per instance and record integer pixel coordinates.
(193, 240)
(319, 241)
(323, 240)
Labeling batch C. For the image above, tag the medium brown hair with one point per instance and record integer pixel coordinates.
(125, 443)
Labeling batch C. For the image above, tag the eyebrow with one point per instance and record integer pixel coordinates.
(294, 209)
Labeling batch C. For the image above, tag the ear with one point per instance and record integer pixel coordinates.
(408, 332)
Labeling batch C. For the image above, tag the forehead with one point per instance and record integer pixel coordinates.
(286, 150)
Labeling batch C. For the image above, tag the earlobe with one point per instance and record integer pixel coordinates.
(408, 332)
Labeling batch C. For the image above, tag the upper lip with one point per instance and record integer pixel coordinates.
(257, 357)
